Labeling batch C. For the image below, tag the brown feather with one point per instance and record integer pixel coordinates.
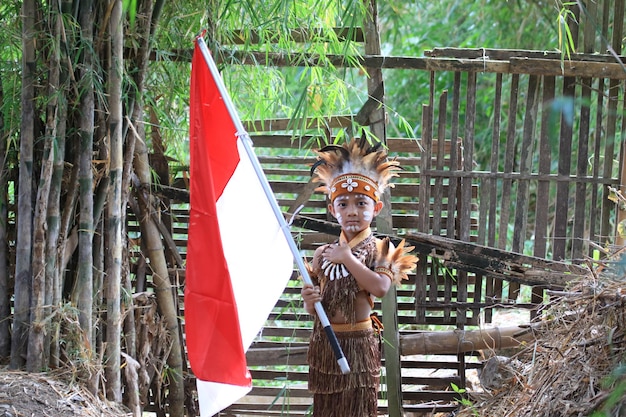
(396, 259)
(402, 262)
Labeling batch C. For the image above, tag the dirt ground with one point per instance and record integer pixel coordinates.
(44, 395)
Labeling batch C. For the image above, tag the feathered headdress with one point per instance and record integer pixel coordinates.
(356, 166)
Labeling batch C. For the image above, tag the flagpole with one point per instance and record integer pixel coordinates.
(245, 140)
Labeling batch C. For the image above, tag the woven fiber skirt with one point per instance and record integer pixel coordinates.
(336, 394)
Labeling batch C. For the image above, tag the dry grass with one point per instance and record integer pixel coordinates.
(50, 394)
(575, 367)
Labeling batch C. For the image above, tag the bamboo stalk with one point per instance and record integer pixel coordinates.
(461, 341)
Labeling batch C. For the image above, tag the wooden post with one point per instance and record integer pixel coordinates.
(618, 33)
(376, 119)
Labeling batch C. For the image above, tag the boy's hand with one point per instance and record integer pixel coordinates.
(337, 253)
(311, 294)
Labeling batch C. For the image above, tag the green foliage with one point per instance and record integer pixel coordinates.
(616, 384)
(305, 91)
(130, 7)
(564, 20)
(10, 68)
(463, 401)
(411, 28)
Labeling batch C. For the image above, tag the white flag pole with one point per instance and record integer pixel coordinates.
(246, 141)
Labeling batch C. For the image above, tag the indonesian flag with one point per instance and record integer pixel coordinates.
(238, 257)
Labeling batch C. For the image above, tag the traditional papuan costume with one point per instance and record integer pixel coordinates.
(355, 167)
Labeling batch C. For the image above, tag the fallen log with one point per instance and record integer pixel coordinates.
(497, 263)
(463, 341)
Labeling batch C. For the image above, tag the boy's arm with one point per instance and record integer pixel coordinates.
(310, 293)
(373, 282)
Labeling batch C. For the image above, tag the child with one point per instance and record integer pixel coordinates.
(348, 274)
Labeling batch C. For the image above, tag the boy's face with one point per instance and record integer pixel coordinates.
(354, 212)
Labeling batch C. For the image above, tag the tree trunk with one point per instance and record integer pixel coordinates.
(85, 179)
(131, 399)
(99, 289)
(66, 232)
(113, 263)
(35, 357)
(150, 235)
(42, 282)
(53, 274)
(5, 297)
(23, 245)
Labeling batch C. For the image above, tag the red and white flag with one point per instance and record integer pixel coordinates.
(238, 257)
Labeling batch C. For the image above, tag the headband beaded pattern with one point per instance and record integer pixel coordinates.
(354, 183)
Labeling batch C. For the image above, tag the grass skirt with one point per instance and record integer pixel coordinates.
(338, 395)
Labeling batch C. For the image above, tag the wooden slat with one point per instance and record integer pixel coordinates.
(543, 187)
(609, 149)
(545, 160)
(428, 407)
(596, 191)
(291, 332)
(556, 178)
(439, 152)
(296, 345)
(494, 168)
(305, 144)
(439, 155)
(568, 68)
(507, 54)
(415, 146)
(272, 375)
(455, 157)
(564, 168)
(439, 320)
(430, 395)
(432, 382)
(297, 390)
(276, 125)
(489, 193)
(399, 190)
(425, 290)
(427, 363)
(617, 43)
(509, 159)
(581, 202)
